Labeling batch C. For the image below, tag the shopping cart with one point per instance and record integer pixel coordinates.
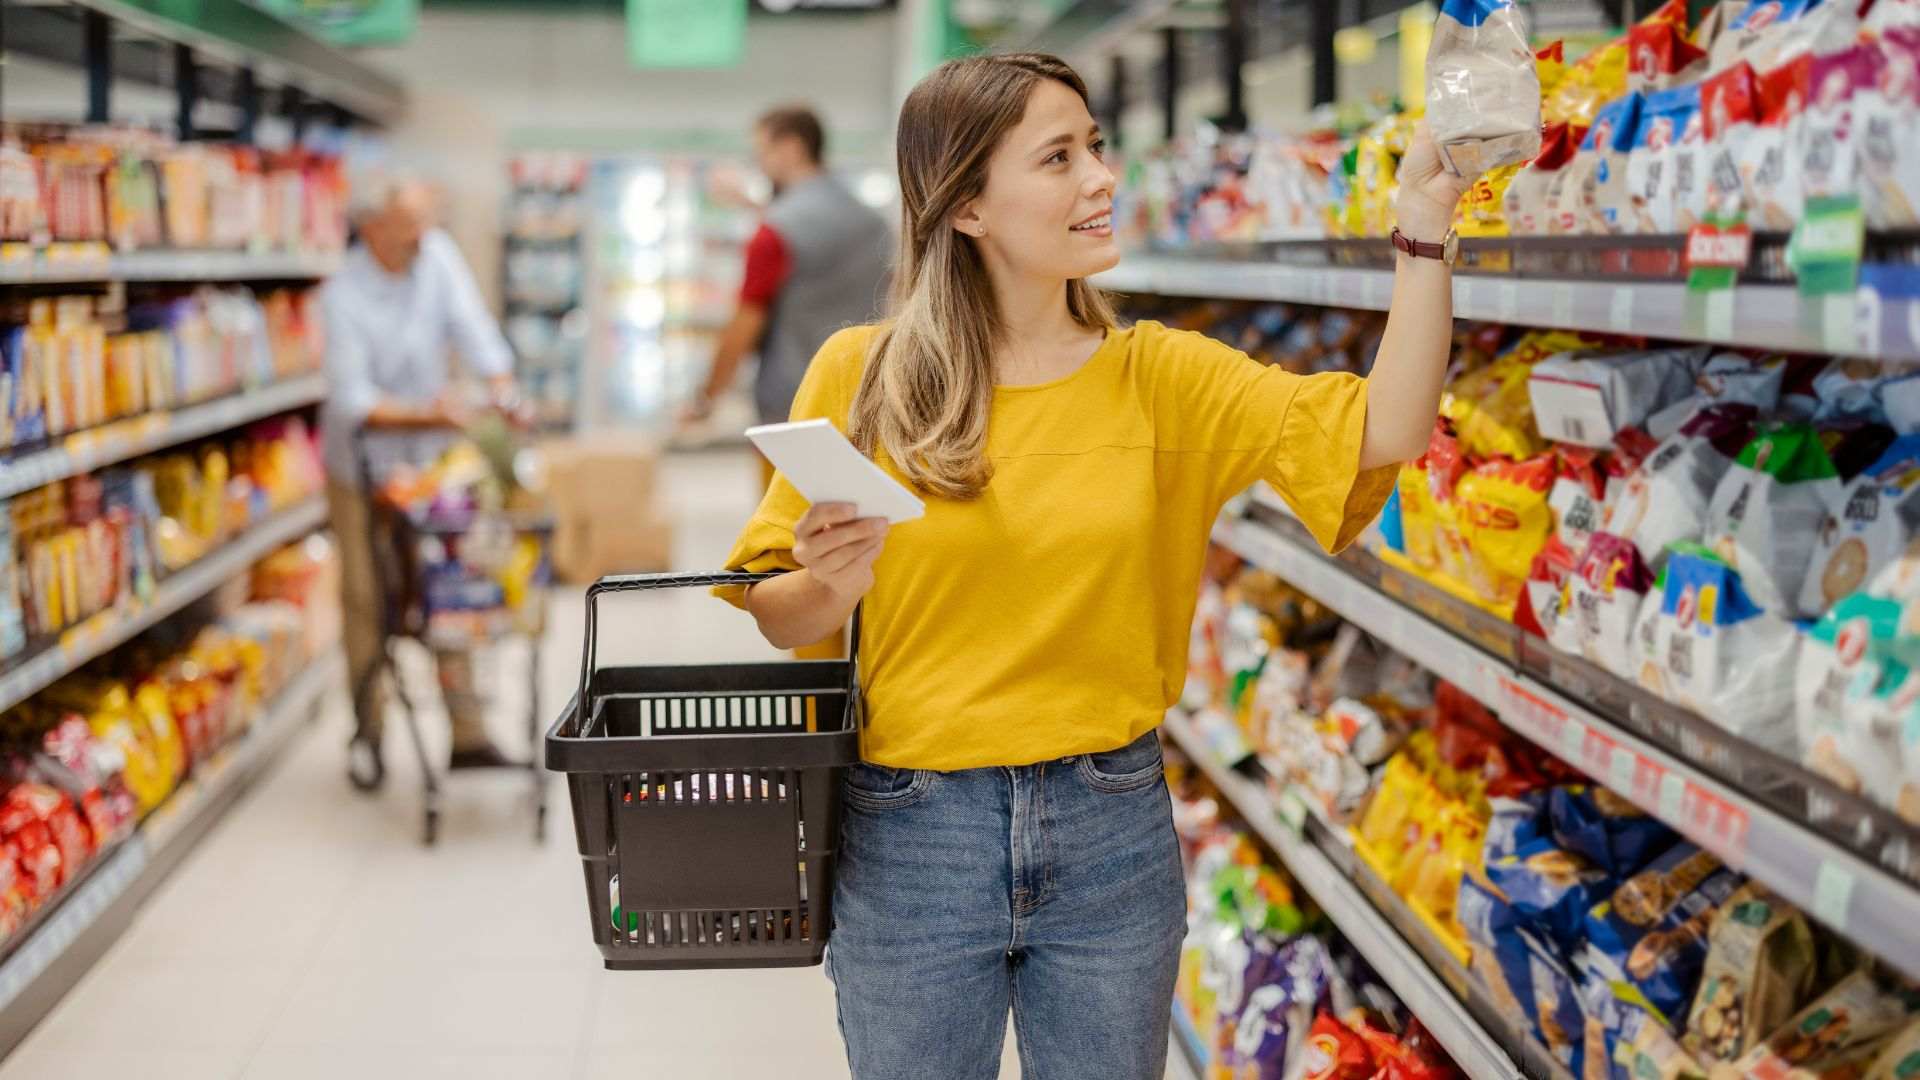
(706, 799)
(435, 570)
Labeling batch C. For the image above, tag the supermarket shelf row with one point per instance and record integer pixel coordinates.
(1847, 864)
(95, 448)
(1880, 320)
(182, 266)
(1431, 984)
(111, 628)
(78, 927)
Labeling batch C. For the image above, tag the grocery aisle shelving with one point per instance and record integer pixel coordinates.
(1865, 902)
(110, 444)
(47, 957)
(114, 626)
(1480, 1053)
(182, 266)
(1880, 320)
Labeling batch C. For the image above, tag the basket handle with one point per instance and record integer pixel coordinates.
(649, 582)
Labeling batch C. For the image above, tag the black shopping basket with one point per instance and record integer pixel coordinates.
(706, 799)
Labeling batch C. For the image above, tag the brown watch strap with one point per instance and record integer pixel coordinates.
(1419, 248)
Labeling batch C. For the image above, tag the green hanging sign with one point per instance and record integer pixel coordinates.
(686, 33)
(352, 22)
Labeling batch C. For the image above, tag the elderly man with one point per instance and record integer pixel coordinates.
(403, 299)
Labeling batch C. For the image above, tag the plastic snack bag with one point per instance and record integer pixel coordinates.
(1767, 511)
(1829, 148)
(1651, 171)
(1665, 501)
(1660, 56)
(1889, 116)
(1867, 528)
(1605, 829)
(1716, 24)
(1604, 596)
(1836, 1036)
(1505, 520)
(1596, 192)
(1483, 91)
(1874, 721)
(1760, 965)
(1838, 653)
(1650, 936)
(1587, 399)
(1772, 32)
(1725, 379)
(1528, 201)
(1770, 177)
(1712, 650)
(1730, 111)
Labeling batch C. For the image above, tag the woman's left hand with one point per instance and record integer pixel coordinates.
(1428, 192)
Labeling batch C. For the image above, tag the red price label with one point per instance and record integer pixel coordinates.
(1726, 247)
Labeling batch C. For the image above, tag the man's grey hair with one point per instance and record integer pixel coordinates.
(371, 190)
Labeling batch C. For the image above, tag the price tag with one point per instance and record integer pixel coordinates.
(1832, 894)
(1673, 794)
(1292, 810)
(1718, 306)
(1620, 311)
(1562, 305)
(1573, 740)
(1507, 301)
(1621, 770)
(1867, 311)
(1837, 322)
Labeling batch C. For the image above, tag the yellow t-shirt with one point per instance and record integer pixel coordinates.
(1051, 615)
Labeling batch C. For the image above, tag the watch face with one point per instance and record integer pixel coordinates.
(1450, 247)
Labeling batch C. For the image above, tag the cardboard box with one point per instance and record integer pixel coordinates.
(602, 489)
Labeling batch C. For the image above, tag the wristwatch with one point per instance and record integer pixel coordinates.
(1446, 250)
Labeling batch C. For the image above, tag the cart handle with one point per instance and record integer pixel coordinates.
(651, 582)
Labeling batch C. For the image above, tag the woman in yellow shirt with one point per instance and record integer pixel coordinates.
(1008, 842)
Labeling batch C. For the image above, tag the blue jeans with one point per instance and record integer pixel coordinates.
(1054, 890)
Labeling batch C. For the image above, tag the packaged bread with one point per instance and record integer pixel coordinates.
(1830, 132)
(1835, 1038)
(1665, 501)
(1870, 524)
(1483, 91)
(1603, 598)
(1770, 176)
(1729, 112)
(1597, 188)
(1846, 646)
(1528, 202)
(1760, 966)
(1888, 112)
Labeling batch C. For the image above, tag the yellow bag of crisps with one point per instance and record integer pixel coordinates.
(1504, 517)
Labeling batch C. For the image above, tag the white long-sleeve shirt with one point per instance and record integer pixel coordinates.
(389, 335)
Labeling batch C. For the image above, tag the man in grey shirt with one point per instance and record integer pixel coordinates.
(817, 263)
(403, 298)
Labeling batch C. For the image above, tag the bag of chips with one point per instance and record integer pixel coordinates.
(1725, 379)
(1594, 195)
(1730, 110)
(1660, 56)
(1889, 116)
(1712, 650)
(1604, 596)
(1760, 965)
(1505, 520)
(1829, 148)
(1650, 936)
(1766, 515)
(1483, 91)
(1608, 831)
(1586, 399)
(1835, 1037)
(1770, 177)
(1875, 517)
(1838, 652)
(1665, 501)
(1527, 204)
(1597, 78)
(1668, 118)
(1716, 24)
(1772, 32)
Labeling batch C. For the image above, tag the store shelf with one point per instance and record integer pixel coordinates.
(1824, 877)
(113, 627)
(193, 266)
(51, 956)
(1479, 1053)
(96, 448)
(1773, 317)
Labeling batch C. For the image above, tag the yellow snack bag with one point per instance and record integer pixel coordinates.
(1597, 79)
(1505, 520)
(1492, 412)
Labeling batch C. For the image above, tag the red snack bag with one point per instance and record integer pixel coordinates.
(1336, 1052)
(1659, 56)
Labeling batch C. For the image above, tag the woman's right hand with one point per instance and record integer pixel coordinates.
(839, 549)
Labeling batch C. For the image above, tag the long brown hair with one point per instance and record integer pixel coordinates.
(928, 384)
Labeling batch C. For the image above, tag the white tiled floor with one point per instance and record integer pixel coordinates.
(311, 935)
